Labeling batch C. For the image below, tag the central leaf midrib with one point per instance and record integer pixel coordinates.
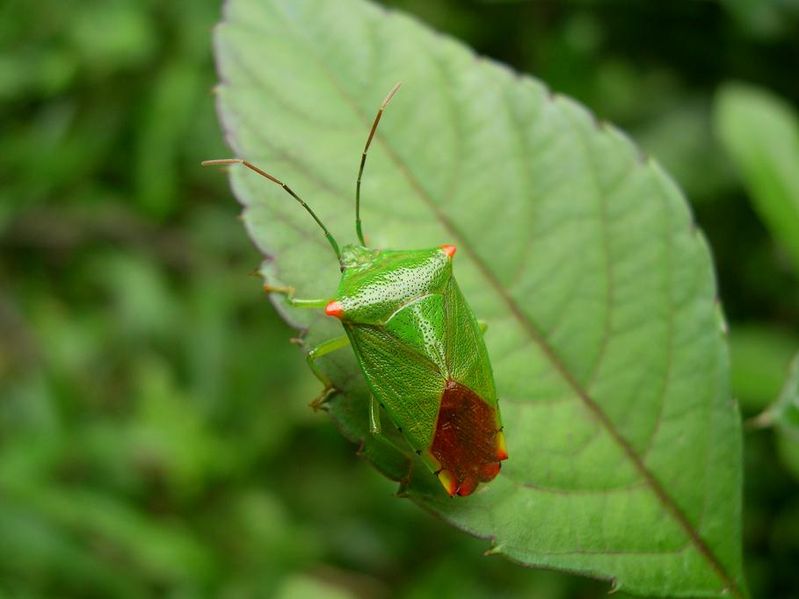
(529, 326)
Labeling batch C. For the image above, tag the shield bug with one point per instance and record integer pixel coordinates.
(417, 343)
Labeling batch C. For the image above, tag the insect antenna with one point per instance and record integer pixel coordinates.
(252, 167)
(358, 228)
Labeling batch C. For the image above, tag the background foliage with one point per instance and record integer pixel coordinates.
(154, 434)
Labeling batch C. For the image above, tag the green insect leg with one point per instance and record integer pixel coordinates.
(374, 416)
(288, 293)
(321, 350)
(483, 326)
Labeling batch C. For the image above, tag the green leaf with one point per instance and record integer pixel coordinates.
(682, 139)
(761, 134)
(787, 406)
(307, 586)
(784, 416)
(604, 331)
(765, 19)
(760, 357)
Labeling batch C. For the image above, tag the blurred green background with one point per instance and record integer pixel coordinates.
(155, 438)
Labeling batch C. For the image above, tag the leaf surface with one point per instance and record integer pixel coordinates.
(581, 254)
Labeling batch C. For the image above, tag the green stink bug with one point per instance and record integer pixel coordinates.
(418, 345)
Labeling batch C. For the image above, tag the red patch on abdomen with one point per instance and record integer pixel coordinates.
(467, 442)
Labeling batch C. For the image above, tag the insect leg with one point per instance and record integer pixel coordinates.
(317, 352)
(288, 293)
(483, 326)
(374, 416)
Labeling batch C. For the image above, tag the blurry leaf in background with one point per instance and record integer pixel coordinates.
(761, 134)
(169, 113)
(111, 35)
(760, 356)
(604, 332)
(297, 587)
(682, 139)
(766, 19)
(784, 417)
(118, 78)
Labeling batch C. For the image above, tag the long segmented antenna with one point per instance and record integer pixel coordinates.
(252, 167)
(358, 228)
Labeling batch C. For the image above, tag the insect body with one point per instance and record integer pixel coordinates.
(419, 346)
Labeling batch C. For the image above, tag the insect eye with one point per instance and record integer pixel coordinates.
(334, 309)
(449, 250)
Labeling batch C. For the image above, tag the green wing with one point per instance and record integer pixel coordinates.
(402, 379)
(467, 357)
(421, 325)
(408, 360)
